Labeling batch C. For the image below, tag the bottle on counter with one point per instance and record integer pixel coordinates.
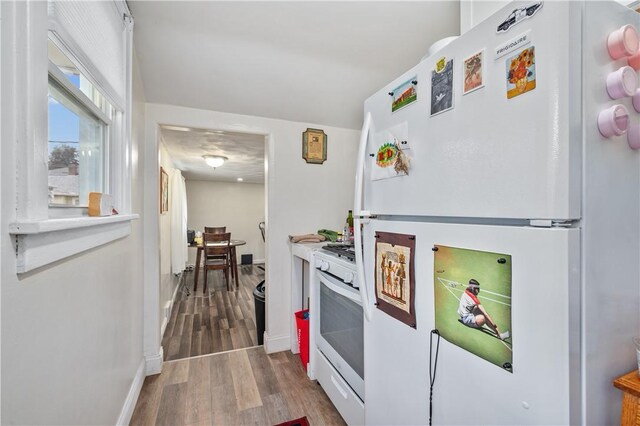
(350, 225)
(346, 236)
(339, 238)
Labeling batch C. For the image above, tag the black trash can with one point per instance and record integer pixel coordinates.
(258, 298)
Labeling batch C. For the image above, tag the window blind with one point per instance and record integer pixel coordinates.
(95, 33)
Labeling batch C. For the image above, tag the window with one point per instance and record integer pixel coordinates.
(89, 57)
(79, 119)
(79, 141)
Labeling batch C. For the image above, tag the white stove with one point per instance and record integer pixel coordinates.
(343, 251)
(338, 261)
(337, 341)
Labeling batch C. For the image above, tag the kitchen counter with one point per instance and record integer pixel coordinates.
(301, 273)
(305, 250)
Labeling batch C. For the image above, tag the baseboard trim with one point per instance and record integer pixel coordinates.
(183, 276)
(170, 303)
(165, 322)
(276, 343)
(132, 397)
(153, 363)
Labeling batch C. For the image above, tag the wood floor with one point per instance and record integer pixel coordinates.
(216, 321)
(243, 387)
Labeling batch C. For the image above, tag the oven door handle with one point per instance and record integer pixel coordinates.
(354, 297)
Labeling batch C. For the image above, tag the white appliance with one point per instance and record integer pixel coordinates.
(530, 176)
(337, 337)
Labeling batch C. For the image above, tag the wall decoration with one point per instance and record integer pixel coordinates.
(404, 94)
(473, 73)
(472, 292)
(314, 146)
(521, 73)
(517, 16)
(442, 87)
(391, 158)
(394, 276)
(164, 191)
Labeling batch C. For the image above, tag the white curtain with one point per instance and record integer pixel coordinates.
(178, 211)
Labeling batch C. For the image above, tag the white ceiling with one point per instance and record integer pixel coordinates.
(312, 62)
(245, 154)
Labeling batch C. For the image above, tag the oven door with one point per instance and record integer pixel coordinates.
(340, 330)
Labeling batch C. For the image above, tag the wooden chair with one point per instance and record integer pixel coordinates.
(215, 229)
(216, 257)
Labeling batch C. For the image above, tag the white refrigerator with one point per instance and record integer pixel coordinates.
(519, 170)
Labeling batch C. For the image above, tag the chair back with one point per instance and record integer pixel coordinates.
(215, 229)
(223, 243)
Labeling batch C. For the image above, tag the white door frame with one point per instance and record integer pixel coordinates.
(156, 115)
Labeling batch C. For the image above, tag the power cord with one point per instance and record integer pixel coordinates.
(184, 288)
(433, 365)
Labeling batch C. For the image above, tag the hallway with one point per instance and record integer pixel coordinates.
(239, 387)
(217, 321)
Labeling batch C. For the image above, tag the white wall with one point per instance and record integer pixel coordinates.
(71, 331)
(168, 281)
(472, 12)
(301, 197)
(238, 206)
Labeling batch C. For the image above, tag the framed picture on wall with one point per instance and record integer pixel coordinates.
(472, 294)
(314, 146)
(164, 191)
(394, 276)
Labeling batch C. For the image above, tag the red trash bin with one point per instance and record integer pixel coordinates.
(302, 325)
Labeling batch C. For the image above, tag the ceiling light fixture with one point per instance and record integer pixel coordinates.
(240, 179)
(214, 160)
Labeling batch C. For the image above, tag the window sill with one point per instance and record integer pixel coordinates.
(39, 243)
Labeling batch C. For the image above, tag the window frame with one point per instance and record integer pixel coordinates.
(79, 96)
(41, 237)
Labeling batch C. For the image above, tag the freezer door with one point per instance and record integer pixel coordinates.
(489, 156)
(543, 306)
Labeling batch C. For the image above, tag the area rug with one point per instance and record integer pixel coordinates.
(297, 422)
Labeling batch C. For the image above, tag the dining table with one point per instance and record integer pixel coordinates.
(234, 258)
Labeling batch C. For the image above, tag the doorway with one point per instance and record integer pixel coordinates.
(213, 311)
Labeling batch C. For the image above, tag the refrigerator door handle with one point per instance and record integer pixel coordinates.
(364, 135)
(357, 208)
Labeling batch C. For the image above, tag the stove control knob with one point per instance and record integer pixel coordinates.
(324, 265)
(348, 277)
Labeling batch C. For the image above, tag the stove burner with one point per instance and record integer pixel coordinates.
(342, 250)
